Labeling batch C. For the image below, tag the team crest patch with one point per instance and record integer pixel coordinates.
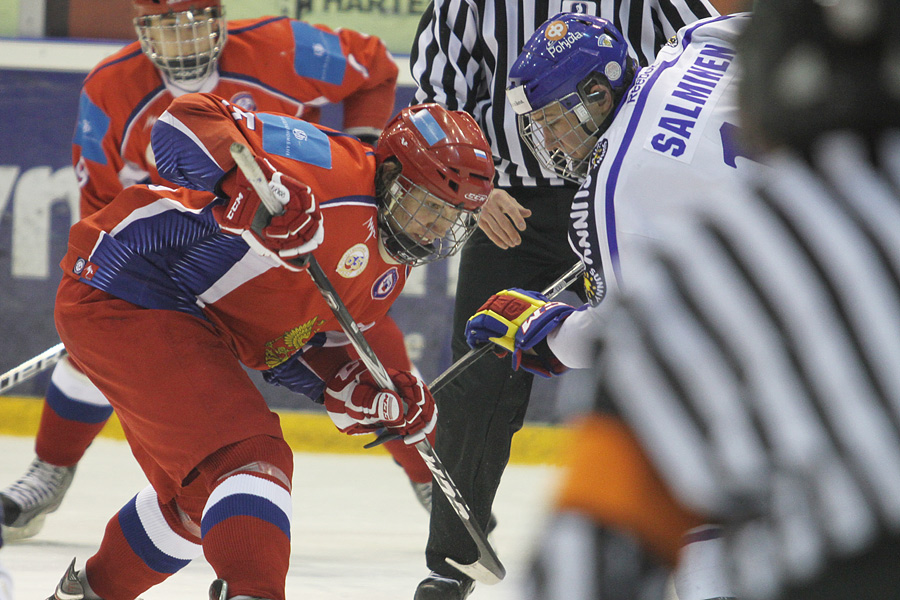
(354, 261)
(556, 31)
(244, 100)
(613, 71)
(598, 154)
(84, 269)
(385, 284)
(281, 349)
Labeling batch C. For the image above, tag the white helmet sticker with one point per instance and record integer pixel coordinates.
(612, 71)
(518, 100)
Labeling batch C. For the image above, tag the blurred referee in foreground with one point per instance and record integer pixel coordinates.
(757, 358)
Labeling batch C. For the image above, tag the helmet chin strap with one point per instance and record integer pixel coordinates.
(401, 246)
(584, 115)
(384, 254)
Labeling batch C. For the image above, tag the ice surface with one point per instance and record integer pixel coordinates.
(358, 532)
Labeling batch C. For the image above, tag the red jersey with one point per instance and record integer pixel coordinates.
(269, 64)
(161, 248)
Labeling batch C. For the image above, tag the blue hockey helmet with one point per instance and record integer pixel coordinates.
(551, 83)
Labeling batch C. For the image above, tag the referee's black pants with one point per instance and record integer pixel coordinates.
(481, 409)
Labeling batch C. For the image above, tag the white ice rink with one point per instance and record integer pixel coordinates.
(358, 532)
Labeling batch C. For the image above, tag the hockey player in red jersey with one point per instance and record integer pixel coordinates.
(168, 292)
(272, 64)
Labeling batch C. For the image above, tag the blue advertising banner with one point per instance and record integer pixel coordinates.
(39, 200)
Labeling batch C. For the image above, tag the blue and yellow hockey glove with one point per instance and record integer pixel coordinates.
(519, 321)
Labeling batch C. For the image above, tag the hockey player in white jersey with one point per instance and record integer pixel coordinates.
(631, 138)
(634, 139)
(753, 353)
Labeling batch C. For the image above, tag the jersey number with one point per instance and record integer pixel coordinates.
(731, 145)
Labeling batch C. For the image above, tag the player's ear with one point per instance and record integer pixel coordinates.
(602, 95)
(386, 173)
(600, 100)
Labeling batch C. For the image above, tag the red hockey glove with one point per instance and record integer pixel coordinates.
(358, 405)
(295, 232)
(518, 321)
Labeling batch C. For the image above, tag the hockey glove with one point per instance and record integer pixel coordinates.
(519, 321)
(357, 404)
(286, 237)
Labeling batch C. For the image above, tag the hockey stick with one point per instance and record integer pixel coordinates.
(487, 568)
(32, 367)
(470, 357)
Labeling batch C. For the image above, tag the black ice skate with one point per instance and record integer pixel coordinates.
(438, 587)
(218, 590)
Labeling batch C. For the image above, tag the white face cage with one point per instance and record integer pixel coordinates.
(418, 227)
(561, 138)
(184, 45)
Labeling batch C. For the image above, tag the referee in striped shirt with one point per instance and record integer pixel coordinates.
(460, 59)
(756, 356)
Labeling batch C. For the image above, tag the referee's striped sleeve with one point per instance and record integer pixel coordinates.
(446, 56)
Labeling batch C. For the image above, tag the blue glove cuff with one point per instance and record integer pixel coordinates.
(541, 323)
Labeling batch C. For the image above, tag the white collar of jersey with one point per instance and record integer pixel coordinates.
(205, 86)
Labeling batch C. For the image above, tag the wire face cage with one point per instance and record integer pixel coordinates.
(419, 227)
(184, 45)
(561, 135)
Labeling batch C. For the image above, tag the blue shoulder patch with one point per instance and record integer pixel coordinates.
(318, 54)
(296, 139)
(428, 127)
(89, 131)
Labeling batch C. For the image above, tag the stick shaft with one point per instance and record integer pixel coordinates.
(32, 367)
(350, 327)
(488, 567)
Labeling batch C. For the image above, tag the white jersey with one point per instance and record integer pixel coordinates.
(674, 135)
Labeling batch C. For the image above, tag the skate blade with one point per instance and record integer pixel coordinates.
(479, 572)
(29, 530)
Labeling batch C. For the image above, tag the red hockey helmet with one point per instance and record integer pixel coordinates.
(443, 151)
(447, 172)
(160, 7)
